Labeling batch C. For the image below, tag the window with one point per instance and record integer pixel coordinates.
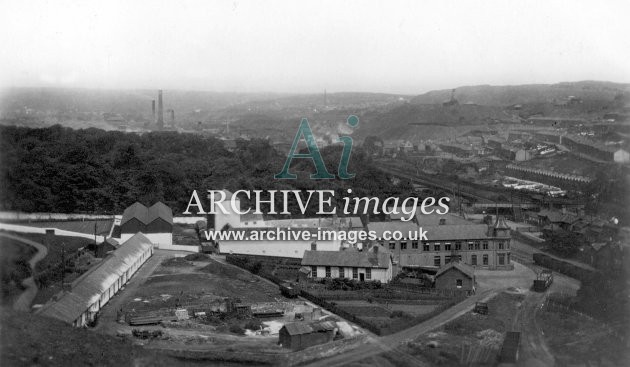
(314, 271)
(500, 245)
(485, 259)
(501, 259)
(368, 273)
(477, 245)
(508, 257)
(436, 247)
(447, 259)
(425, 248)
(470, 245)
(437, 260)
(485, 245)
(447, 247)
(459, 283)
(392, 245)
(313, 246)
(473, 260)
(342, 273)
(403, 245)
(414, 245)
(355, 273)
(328, 272)
(458, 246)
(507, 245)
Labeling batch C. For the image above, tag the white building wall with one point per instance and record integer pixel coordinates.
(294, 249)
(380, 274)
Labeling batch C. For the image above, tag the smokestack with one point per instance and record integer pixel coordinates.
(153, 110)
(160, 119)
(172, 117)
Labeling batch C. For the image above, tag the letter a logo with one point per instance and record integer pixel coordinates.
(313, 154)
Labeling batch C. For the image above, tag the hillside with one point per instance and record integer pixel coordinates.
(522, 94)
(31, 340)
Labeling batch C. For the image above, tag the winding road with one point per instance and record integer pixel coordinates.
(23, 302)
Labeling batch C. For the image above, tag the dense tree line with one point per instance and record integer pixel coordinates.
(58, 169)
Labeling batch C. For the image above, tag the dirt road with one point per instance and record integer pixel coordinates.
(23, 302)
(533, 350)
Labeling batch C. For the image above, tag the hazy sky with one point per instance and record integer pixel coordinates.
(308, 46)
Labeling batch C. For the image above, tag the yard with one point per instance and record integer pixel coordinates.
(179, 281)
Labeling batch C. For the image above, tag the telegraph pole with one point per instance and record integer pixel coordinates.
(63, 263)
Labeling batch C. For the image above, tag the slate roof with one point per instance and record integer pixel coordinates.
(147, 215)
(433, 219)
(457, 232)
(363, 259)
(300, 328)
(88, 288)
(466, 269)
(380, 227)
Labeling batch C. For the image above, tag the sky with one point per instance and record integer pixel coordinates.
(304, 46)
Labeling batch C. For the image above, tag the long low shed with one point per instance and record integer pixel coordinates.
(92, 290)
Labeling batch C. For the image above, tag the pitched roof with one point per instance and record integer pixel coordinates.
(147, 215)
(434, 218)
(89, 287)
(299, 328)
(160, 210)
(363, 259)
(380, 227)
(466, 269)
(457, 232)
(501, 223)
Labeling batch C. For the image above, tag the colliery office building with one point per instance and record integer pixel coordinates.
(478, 245)
(92, 290)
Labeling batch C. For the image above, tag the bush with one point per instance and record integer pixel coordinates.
(253, 324)
(236, 329)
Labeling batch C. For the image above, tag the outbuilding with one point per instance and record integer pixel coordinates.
(156, 222)
(455, 276)
(300, 335)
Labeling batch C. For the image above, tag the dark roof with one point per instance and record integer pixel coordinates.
(465, 269)
(111, 241)
(457, 232)
(434, 218)
(299, 328)
(500, 223)
(89, 287)
(147, 215)
(363, 259)
(380, 227)
(135, 210)
(160, 210)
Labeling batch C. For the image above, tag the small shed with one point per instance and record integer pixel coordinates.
(300, 335)
(455, 276)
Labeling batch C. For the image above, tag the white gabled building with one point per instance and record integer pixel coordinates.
(373, 264)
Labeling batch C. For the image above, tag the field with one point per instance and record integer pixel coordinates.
(81, 226)
(576, 339)
(447, 345)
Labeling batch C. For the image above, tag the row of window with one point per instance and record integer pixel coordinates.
(342, 272)
(437, 246)
(502, 258)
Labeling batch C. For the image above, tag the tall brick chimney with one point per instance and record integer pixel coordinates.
(160, 117)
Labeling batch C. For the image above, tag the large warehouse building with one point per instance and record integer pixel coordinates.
(92, 290)
(155, 222)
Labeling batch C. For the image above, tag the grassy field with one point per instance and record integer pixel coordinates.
(14, 263)
(575, 339)
(444, 346)
(81, 226)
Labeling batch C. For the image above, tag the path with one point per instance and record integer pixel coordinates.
(23, 302)
(533, 349)
(378, 345)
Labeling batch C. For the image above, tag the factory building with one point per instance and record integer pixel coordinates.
(350, 264)
(155, 222)
(79, 305)
(275, 246)
(478, 245)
